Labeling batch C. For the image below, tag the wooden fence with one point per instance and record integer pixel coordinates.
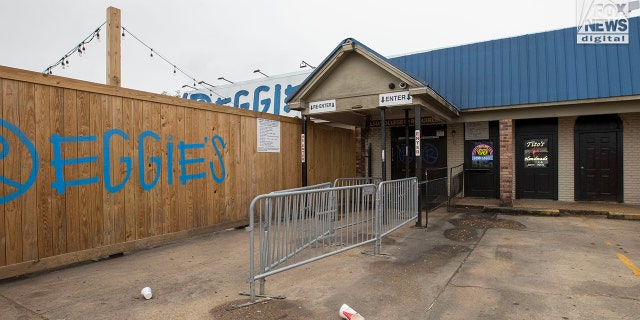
(89, 170)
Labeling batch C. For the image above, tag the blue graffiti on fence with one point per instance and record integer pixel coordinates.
(186, 162)
(21, 188)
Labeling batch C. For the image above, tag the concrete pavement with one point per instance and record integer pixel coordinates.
(558, 268)
(466, 265)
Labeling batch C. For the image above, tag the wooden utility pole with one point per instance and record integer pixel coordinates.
(113, 47)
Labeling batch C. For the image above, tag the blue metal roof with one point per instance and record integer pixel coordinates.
(535, 68)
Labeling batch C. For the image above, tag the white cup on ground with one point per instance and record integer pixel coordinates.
(146, 293)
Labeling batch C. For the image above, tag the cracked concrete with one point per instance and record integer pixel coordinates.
(544, 268)
(558, 268)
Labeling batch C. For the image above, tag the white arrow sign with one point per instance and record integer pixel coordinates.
(395, 99)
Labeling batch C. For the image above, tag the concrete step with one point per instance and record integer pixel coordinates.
(623, 216)
(625, 213)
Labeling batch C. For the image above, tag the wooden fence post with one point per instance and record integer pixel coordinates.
(113, 47)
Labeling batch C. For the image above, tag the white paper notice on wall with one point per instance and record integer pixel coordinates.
(476, 130)
(268, 135)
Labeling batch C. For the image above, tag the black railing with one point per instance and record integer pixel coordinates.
(456, 182)
(435, 188)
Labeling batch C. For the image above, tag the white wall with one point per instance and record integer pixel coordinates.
(631, 157)
(566, 170)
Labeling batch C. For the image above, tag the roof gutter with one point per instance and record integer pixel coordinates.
(431, 95)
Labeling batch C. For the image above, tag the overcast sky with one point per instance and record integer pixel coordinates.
(210, 39)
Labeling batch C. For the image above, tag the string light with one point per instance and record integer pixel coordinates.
(176, 69)
(206, 83)
(79, 49)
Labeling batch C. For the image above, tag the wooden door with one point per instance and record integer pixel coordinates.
(597, 166)
(598, 158)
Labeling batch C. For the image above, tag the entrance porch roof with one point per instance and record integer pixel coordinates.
(355, 81)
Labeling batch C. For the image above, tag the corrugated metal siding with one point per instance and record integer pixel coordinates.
(536, 68)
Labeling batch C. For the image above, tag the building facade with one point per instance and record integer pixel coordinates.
(537, 116)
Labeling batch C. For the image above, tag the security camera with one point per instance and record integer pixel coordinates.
(402, 85)
(392, 85)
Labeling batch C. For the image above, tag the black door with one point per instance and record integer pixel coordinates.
(598, 158)
(482, 165)
(433, 152)
(537, 159)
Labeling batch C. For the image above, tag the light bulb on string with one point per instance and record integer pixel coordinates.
(174, 70)
(80, 49)
(151, 54)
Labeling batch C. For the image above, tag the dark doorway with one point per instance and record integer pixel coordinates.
(537, 158)
(598, 158)
(482, 165)
(433, 152)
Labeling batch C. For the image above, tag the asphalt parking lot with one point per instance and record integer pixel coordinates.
(465, 265)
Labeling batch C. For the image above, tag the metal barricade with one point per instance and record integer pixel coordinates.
(397, 206)
(290, 228)
(342, 182)
(312, 187)
(297, 227)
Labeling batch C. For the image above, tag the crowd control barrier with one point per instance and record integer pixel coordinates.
(343, 182)
(290, 228)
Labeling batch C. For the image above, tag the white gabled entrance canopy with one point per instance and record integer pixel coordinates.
(353, 82)
(355, 85)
